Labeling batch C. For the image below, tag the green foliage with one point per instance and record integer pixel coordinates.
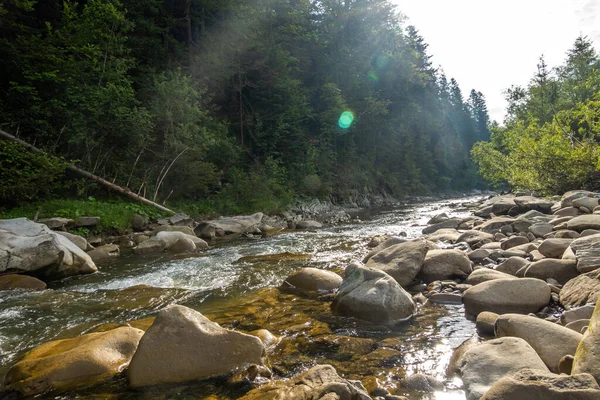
(27, 176)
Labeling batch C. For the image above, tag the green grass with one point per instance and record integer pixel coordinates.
(114, 215)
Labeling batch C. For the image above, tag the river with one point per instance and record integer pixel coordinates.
(239, 295)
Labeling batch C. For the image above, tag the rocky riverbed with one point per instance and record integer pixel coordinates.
(253, 307)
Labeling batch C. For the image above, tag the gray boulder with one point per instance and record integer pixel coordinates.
(554, 248)
(511, 265)
(486, 274)
(402, 261)
(313, 280)
(587, 253)
(582, 290)
(440, 265)
(560, 270)
(587, 357)
(584, 222)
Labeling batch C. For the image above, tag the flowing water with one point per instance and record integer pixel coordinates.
(242, 295)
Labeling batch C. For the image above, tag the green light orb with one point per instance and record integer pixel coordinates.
(373, 76)
(346, 119)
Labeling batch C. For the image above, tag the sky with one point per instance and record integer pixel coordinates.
(489, 45)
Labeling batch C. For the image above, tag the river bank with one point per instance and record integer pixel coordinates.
(232, 284)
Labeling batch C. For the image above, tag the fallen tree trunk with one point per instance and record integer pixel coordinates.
(95, 178)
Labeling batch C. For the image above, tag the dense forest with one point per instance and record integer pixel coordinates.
(247, 101)
(550, 141)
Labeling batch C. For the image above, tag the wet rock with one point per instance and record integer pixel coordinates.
(485, 323)
(438, 218)
(104, 253)
(313, 280)
(451, 223)
(507, 296)
(79, 241)
(554, 248)
(308, 225)
(444, 264)
(26, 246)
(183, 345)
(267, 258)
(472, 237)
(152, 245)
(266, 337)
(67, 364)
(402, 261)
(444, 235)
(551, 341)
(484, 364)
(511, 265)
(587, 357)
(423, 383)
(446, 298)
(486, 274)
(24, 282)
(389, 242)
(575, 314)
(318, 383)
(587, 253)
(582, 290)
(374, 296)
(535, 384)
(584, 222)
(86, 222)
(560, 270)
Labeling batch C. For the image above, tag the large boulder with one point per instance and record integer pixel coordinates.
(472, 237)
(587, 357)
(183, 345)
(26, 246)
(583, 222)
(104, 253)
(402, 261)
(495, 224)
(23, 282)
(484, 364)
(486, 274)
(67, 364)
(152, 245)
(170, 228)
(554, 248)
(502, 296)
(321, 382)
(444, 235)
(171, 238)
(535, 384)
(582, 290)
(534, 203)
(511, 265)
(238, 224)
(560, 270)
(313, 280)
(372, 295)
(79, 241)
(587, 253)
(444, 264)
(568, 198)
(389, 242)
(551, 341)
(450, 223)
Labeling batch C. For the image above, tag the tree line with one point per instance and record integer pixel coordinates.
(240, 101)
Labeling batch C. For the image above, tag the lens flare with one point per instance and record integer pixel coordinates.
(346, 119)
(381, 61)
(372, 75)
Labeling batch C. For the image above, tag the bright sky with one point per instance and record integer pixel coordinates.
(489, 45)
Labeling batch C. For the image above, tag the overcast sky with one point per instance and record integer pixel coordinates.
(490, 45)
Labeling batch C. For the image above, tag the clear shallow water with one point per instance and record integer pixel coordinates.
(233, 293)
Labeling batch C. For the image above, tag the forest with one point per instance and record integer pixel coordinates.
(239, 105)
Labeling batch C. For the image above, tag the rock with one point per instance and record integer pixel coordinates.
(321, 382)
(588, 202)
(85, 222)
(568, 197)
(238, 224)
(374, 296)
(438, 218)
(444, 264)
(541, 229)
(152, 245)
(205, 230)
(484, 364)
(551, 341)
(587, 253)
(26, 246)
(423, 383)
(182, 245)
(451, 223)
(313, 280)
(503, 205)
(183, 345)
(565, 365)
(575, 314)
(477, 256)
(566, 234)
(446, 298)
(472, 237)
(389, 242)
(512, 265)
(57, 223)
(582, 290)
(568, 212)
(308, 224)
(485, 275)
(67, 364)
(589, 232)
(16, 281)
(402, 261)
(139, 223)
(79, 241)
(560, 270)
(170, 238)
(578, 325)
(495, 224)
(514, 241)
(169, 228)
(507, 296)
(181, 219)
(535, 384)
(584, 222)
(266, 337)
(587, 356)
(444, 235)
(104, 253)
(485, 323)
(554, 248)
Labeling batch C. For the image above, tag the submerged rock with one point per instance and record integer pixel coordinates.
(373, 296)
(25, 282)
(313, 280)
(183, 345)
(68, 364)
